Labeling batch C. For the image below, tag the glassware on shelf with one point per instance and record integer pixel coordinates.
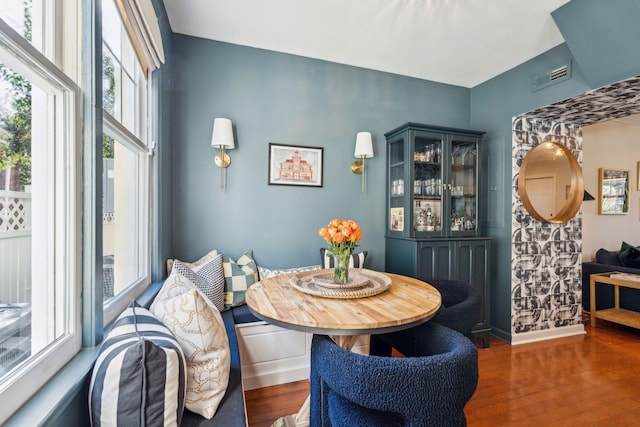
(417, 187)
(397, 187)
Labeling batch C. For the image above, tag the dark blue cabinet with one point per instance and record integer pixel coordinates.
(433, 176)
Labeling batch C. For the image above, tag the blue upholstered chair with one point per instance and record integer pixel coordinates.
(461, 305)
(460, 310)
(429, 389)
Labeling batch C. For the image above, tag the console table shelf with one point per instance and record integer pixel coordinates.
(615, 314)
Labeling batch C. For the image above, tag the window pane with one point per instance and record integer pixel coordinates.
(124, 86)
(122, 218)
(111, 27)
(27, 206)
(18, 14)
(129, 110)
(15, 220)
(110, 77)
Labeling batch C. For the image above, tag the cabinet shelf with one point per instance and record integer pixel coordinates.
(433, 197)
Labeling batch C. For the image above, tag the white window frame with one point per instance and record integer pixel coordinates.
(64, 255)
(116, 130)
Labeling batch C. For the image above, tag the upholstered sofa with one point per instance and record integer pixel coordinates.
(605, 261)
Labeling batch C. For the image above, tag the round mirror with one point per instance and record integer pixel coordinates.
(550, 183)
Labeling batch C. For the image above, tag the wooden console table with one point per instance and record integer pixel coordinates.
(615, 314)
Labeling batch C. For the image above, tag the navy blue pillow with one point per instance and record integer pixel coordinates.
(604, 256)
(629, 256)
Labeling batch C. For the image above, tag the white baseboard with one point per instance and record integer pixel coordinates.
(547, 334)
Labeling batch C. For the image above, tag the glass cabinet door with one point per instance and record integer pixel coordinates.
(396, 183)
(464, 186)
(427, 179)
(433, 181)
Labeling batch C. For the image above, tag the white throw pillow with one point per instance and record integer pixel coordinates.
(198, 327)
(266, 273)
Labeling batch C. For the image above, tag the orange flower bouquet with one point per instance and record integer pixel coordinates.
(342, 237)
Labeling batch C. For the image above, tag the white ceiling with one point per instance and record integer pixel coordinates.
(460, 42)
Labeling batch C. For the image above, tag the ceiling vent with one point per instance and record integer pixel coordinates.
(557, 75)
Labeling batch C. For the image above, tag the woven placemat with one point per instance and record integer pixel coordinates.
(374, 284)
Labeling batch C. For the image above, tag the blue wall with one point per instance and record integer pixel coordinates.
(273, 97)
(493, 105)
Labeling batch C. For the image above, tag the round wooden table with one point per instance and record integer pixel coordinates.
(407, 302)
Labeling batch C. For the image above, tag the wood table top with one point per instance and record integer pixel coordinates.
(406, 303)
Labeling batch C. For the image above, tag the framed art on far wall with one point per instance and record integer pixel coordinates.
(613, 191)
(295, 165)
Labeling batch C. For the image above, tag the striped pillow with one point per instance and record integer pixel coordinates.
(356, 261)
(139, 377)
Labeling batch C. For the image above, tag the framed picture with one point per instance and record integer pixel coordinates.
(396, 219)
(613, 191)
(638, 177)
(295, 165)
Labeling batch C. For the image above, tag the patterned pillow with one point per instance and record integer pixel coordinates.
(239, 275)
(266, 273)
(140, 374)
(208, 277)
(198, 327)
(357, 259)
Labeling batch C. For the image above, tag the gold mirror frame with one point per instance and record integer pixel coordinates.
(574, 192)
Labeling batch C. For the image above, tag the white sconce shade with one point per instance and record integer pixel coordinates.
(364, 150)
(364, 145)
(222, 138)
(222, 134)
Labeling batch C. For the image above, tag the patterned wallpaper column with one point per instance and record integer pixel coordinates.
(546, 260)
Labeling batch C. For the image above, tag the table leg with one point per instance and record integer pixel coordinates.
(301, 419)
(592, 301)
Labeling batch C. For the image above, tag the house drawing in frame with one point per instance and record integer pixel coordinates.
(295, 165)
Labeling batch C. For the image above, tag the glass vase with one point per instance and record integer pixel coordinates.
(341, 268)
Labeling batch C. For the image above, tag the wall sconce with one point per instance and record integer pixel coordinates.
(364, 150)
(222, 138)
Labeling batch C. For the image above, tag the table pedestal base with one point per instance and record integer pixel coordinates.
(301, 419)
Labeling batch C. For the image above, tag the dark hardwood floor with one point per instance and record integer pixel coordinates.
(589, 380)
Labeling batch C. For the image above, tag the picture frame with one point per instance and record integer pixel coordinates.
(638, 176)
(613, 191)
(396, 219)
(295, 165)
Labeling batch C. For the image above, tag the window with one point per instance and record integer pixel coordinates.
(39, 209)
(41, 244)
(125, 199)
